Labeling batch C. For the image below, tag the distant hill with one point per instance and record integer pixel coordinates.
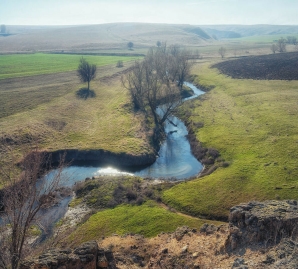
(103, 36)
(234, 31)
(115, 36)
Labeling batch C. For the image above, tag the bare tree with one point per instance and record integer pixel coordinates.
(222, 52)
(273, 47)
(153, 83)
(86, 71)
(292, 40)
(158, 44)
(24, 193)
(182, 64)
(281, 45)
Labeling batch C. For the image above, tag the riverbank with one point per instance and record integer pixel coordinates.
(99, 157)
(55, 118)
(252, 124)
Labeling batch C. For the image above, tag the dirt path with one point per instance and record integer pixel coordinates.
(176, 212)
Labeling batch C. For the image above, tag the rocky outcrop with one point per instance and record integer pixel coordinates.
(264, 223)
(261, 235)
(87, 256)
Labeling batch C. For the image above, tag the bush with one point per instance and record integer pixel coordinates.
(131, 195)
(225, 164)
(119, 64)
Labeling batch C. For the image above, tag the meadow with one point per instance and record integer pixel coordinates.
(47, 107)
(21, 65)
(253, 124)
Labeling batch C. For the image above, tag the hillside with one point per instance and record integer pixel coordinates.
(104, 36)
(234, 31)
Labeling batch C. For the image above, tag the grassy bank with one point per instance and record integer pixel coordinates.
(148, 219)
(253, 125)
(21, 65)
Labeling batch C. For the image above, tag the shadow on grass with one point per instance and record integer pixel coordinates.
(84, 93)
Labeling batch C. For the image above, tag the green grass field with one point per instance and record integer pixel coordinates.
(46, 107)
(253, 124)
(21, 65)
(148, 219)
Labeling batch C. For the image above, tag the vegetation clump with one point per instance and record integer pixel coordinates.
(86, 71)
(108, 192)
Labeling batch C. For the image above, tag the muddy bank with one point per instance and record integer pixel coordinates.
(100, 156)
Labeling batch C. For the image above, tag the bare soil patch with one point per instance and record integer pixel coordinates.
(282, 66)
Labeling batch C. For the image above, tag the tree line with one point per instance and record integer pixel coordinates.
(280, 44)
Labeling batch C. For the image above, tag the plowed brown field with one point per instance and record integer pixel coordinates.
(281, 66)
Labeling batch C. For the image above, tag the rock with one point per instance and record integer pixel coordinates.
(195, 255)
(284, 255)
(208, 228)
(196, 266)
(164, 251)
(102, 263)
(181, 231)
(87, 256)
(262, 223)
(184, 249)
(239, 263)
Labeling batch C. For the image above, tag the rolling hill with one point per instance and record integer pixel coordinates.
(105, 36)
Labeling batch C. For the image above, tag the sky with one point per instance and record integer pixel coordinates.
(196, 12)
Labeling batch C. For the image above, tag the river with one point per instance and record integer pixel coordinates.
(175, 162)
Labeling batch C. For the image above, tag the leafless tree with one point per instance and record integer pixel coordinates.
(292, 40)
(86, 71)
(273, 47)
(183, 65)
(158, 44)
(24, 193)
(222, 52)
(281, 45)
(155, 82)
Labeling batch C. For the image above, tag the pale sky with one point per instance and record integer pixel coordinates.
(196, 12)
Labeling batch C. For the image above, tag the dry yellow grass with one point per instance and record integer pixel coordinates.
(106, 121)
(203, 250)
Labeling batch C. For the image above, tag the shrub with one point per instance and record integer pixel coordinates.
(131, 195)
(119, 64)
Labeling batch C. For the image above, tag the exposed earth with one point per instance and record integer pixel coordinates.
(282, 66)
(259, 235)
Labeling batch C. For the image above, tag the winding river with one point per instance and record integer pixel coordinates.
(175, 162)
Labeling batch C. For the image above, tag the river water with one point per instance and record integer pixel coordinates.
(175, 162)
